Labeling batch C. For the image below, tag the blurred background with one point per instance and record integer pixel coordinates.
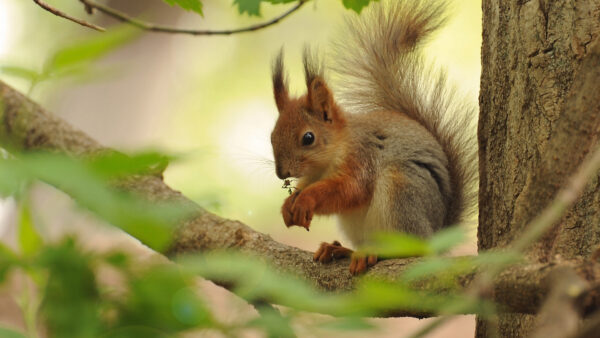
(206, 99)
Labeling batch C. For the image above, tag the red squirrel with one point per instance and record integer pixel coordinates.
(395, 152)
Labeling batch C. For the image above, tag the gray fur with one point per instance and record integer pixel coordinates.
(381, 68)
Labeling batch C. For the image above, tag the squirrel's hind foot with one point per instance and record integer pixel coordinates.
(360, 264)
(328, 252)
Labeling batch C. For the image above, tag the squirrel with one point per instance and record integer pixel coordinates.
(396, 152)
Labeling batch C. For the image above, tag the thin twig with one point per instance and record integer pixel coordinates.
(66, 16)
(166, 29)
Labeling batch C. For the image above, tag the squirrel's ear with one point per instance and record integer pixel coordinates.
(319, 97)
(280, 88)
(320, 101)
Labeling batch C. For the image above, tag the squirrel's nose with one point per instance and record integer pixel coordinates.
(282, 175)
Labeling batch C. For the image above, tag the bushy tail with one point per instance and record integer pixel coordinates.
(381, 67)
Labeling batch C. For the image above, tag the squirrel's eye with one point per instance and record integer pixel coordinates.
(308, 138)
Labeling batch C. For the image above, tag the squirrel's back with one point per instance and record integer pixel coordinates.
(382, 69)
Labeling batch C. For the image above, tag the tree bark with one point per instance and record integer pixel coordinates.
(536, 124)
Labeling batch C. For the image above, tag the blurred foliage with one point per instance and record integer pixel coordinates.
(252, 7)
(86, 182)
(405, 245)
(74, 59)
(188, 5)
(162, 300)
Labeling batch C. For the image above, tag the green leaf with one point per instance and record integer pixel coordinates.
(149, 222)
(252, 7)
(8, 333)
(188, 308)
(163, 297)
(348, 324)
(75, 57)
(8, 258)
(427, 268)
(188, 5)
(275, 324)
(21, 72)
(446, 239)
(395, 245)
(253, 280)
(356, 5)
(30, 240)
(71, 303)
(117, 259)
(115, 164)
(11, 181)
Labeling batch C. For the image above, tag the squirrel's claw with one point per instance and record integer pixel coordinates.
(328, 252)
(298, 210)
(360, 264)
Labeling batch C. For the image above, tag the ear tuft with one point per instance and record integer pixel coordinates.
(313, 67)
(280, 83)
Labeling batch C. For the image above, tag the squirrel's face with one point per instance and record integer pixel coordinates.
(304, 140)
(305, 137)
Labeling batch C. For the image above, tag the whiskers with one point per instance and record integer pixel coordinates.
(255, 163)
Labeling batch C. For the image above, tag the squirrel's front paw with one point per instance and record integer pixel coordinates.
(298, 209)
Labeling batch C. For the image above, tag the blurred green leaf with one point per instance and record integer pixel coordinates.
(379, 295)
(188, 5)
(8, 258)
(116, 164)
(137, 331)
(12, 181)
(71, 303)
(440, 268)
(252, 279)
(446, 239)
(395, 245)
(150, 222)
(356, 5)
(7, 253)
(30, 240)
(348, 324)
(275, 324)
(252, 7)
(9, 333)
(21, 72)
(117, 259)
(189, 309)
(399, 245)
(497, 258)
(75, 57)
(469, 304)
(161, 298)
(427, 268)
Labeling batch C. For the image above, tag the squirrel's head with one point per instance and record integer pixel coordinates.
(307, 133)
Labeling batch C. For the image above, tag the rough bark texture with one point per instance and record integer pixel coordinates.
(26, 126)
(539, 116)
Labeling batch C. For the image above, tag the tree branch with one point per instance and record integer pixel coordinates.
(66, 16)
(90, 5)
(25, 126)
(559, 316)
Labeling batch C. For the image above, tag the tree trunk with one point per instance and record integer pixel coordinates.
(530, 140)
